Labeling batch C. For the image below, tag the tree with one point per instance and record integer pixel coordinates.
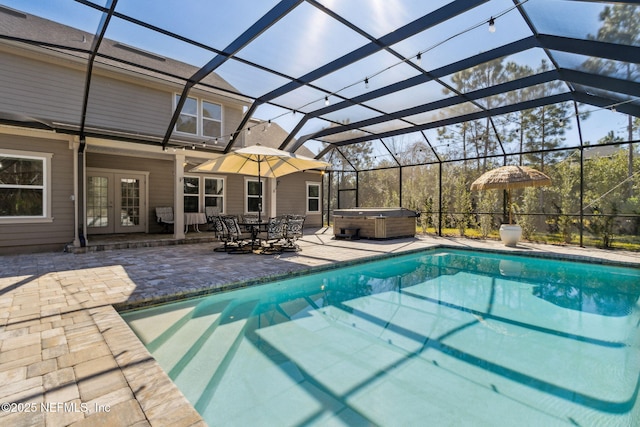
(462, 205)
(521, 118)
(486, 205)
(528, 206)
(476, 133)
(563, 196)
(545, 125)
(347, 159)
(620, 24)
(603, 195)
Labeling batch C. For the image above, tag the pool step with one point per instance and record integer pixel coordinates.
(198, 365)
(157, 326)
(171, 347)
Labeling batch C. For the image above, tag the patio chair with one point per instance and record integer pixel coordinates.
(247, 220)
(220, 230)
(273, 234)
(211, 213)
(235, 239)
(293, 230)
(164, 217)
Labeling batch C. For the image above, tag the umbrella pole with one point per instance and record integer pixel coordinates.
(259, 193)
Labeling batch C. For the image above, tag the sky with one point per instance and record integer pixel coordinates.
(306, 39)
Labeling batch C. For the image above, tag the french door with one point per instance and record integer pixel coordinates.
(116, 202)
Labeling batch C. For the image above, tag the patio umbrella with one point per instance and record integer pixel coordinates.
(509, 178)
(261, 161)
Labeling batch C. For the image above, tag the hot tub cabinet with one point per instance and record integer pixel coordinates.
(375, 223)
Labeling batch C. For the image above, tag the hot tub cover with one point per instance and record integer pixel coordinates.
(385, 212)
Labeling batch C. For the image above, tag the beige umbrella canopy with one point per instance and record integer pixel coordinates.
(261, 161)
(509, 178)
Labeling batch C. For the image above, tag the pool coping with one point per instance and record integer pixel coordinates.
(128, 306)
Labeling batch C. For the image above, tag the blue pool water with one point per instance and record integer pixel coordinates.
(441, 337)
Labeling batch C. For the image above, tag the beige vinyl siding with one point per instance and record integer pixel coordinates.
(236, 194)
(47, 236)
(40, 90)
(116, 104)
(160, 185)
(292, 196)
(231, 117)
(54, 92)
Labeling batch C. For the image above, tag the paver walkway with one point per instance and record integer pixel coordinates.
(67, 358)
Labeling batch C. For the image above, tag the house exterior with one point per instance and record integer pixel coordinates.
(58, 188)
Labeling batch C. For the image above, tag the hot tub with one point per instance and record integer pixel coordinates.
(375, 223)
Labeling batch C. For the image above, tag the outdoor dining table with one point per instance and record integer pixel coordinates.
(195, 219)
(254, 228)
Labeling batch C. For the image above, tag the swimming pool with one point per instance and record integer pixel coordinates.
(441, 337)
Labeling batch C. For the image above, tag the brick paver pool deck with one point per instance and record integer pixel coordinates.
(67, 357)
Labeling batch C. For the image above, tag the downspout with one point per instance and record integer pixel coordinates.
(81, 159)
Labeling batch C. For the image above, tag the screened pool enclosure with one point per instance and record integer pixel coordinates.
(410, 101)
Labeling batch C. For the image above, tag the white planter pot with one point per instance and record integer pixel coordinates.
(510, 234)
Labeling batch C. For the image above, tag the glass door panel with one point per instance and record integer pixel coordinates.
(116, 202)
(130, 204)
(99, 204)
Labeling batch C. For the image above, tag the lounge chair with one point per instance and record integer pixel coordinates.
(164, 216)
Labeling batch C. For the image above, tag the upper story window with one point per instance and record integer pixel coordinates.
(211, 119)
(199, 118)
(24, 185)
(188, 120)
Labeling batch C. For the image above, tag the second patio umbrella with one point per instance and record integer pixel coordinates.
(260, 161)
(509, 178)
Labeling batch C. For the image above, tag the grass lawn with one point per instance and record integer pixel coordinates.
(625, 242)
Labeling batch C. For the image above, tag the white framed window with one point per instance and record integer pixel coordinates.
(214, 192)
(199, 117)
(211, 119)
(254, 203)
(25, 186)
(191, 194)
(188, 119)
(313, 197)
